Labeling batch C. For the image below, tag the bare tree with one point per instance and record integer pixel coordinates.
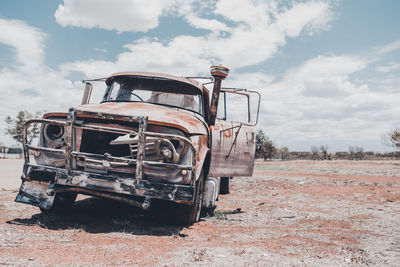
(359, 152)
(314, 153)
(356, 152)
(392, 138)
(324, 151)
(351, 152)
(284, 153)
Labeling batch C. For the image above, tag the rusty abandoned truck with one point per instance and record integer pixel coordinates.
(153, 136)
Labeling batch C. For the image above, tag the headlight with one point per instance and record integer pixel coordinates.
(167, 149)
(51, 136)
(53, 132)
(54, 136)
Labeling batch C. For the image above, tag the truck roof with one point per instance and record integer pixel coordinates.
(158, 75)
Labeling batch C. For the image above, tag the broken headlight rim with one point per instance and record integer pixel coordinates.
(180, 146)
(53, 132)
(163, 146)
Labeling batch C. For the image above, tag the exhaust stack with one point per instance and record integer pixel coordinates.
(87, 93)
(219, 73)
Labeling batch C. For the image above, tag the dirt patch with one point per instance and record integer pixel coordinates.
(289, 213)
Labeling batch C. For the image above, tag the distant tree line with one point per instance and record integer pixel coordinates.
(265, 149)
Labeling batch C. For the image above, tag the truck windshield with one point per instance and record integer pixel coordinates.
(156, 91)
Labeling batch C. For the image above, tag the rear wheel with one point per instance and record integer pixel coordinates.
(62, 201)
(189, 214)
(224, 185)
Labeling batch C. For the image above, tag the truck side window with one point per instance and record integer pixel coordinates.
(221, 106)
(233, 107)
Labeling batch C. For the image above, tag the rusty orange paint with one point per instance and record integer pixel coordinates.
(157, 115)
(228, 133)
(54, 114)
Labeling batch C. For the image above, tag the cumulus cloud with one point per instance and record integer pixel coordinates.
(251, 32)
(26, 41)
(310, 104)
(319, 103)
(27, 83)
(327, 76)
(120, 15)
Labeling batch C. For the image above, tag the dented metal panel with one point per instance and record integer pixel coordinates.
(211, 188)
(157, 115)
(35, 193)
(69, 179)
(229, 157)
(138, 151)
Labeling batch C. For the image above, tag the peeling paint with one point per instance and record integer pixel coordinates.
(136, 151)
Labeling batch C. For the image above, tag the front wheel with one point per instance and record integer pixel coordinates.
(189, 214)
(62, 201)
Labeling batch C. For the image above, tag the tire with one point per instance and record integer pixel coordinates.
(189, 214)
(62, 201)
(224, 185)
(210, 212)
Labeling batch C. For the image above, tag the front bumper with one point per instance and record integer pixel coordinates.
(40, 183)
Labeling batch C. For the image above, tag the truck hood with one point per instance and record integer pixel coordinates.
(157, 115)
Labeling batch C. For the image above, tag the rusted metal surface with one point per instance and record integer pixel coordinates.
(80, 181)
(134, 152)
(141, 149)
(233, 143)
(232, 158)
(72, 155)
(157, 115)
(219, 73)
(87, 93)
(45, 149)
(211, 188)
(234, 140)
(34, 192)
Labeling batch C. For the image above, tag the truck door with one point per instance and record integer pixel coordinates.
(233, 135)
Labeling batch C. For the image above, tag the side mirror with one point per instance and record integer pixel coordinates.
(87, 93)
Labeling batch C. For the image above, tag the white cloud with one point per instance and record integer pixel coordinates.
(103, 50)
(26, 40)
(27, 83)
(391, 66)
(319, 103)
(256, 30)
(207, 24)
(327, 76)
(120, 15)
(314, 15)
(390, 47)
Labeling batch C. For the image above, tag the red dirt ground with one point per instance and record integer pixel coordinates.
(288, 213)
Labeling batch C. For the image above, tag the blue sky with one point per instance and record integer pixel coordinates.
(328, 71)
